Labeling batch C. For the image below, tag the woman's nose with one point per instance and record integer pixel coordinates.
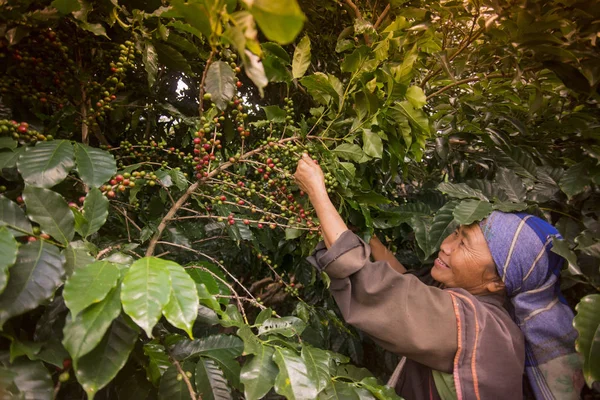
(447, 245)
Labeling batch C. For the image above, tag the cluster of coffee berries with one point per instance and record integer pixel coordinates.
(39, 70)
(21, 132)
(122, 182)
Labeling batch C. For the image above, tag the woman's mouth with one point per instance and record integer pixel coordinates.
(439, 263)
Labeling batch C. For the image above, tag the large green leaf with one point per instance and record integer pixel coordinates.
(293, 380)
(51, 211)
(13, 217)
(218, 346)
(460, 191)
(416, 96)
(372, 144)
(349, 151)
(8, 255)
(517, 160)
(340, 390)
(83, 332)
(430, 237)
(172, 58)
(575, 179)
(94, 166)
(562, 248)
(158, 362)
(210, 381)
(172, 386)
(320, 88)
(33, 279)
(76, 257)
(511, 184)
(587, 323)
(317, 362)
(150, 62)
(286, 326)
(182, 309)
(47, 163)
(95, 212)
(220, 83)
(89, 285)
(97, 368)
(32, 379)
(258, 374)
(145, 291)
(469, 211)
(417, 118)
(301, 60)
(280, 21)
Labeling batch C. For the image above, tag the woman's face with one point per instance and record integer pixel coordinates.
(465, 261)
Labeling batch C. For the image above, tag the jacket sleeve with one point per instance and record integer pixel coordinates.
(398, 311)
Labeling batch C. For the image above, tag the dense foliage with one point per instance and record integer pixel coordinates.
(152, 239)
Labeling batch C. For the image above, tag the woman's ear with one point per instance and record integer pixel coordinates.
(495, 286)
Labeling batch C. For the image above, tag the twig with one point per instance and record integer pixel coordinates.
(462, 81)
(358, 16)
(185, 379)
(382, 17)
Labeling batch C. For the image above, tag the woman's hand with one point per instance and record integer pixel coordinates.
(309, 176)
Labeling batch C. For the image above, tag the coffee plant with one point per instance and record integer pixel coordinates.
(152, 237)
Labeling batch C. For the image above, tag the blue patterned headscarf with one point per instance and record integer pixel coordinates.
(521, 248)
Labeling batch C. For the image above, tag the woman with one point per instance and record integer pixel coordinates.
(460, 341)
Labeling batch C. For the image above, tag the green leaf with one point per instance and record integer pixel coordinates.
(32, 380)
(182, 309)
(145, 291)
(252, 344)
(220, 83)
(280, 21)
(258, 374)
(469, 211)
(460, 191)
(198, 14)
(286, 326)
(517, 160)
(255, 70)
(274, 113)
(97, 368)
(348, 151)
(293, 380)
(76, 257)
(95, 212)
(94, 166)
(416, 96)
(210, 381)
(150, 59)
(172, 58)
(511, 184)
(301, 60)
(89, 285)
(372, 144)
(47, 163)
(33, 279)
(430, 236)
(340, 390)
(562, 248)
(317, 362)
(417, 118)
(509, 207)
(158, 362)
(172, 386)
(575, 179)
(587, 323)
(8, 255)
(66, 6)
(83, 332)
(51, 211)
(13, 217)
(8, 159)
(8, 143)
(320, 88)
(215, 346)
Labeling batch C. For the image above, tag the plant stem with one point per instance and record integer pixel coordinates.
(201, 94)
(382, 17)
